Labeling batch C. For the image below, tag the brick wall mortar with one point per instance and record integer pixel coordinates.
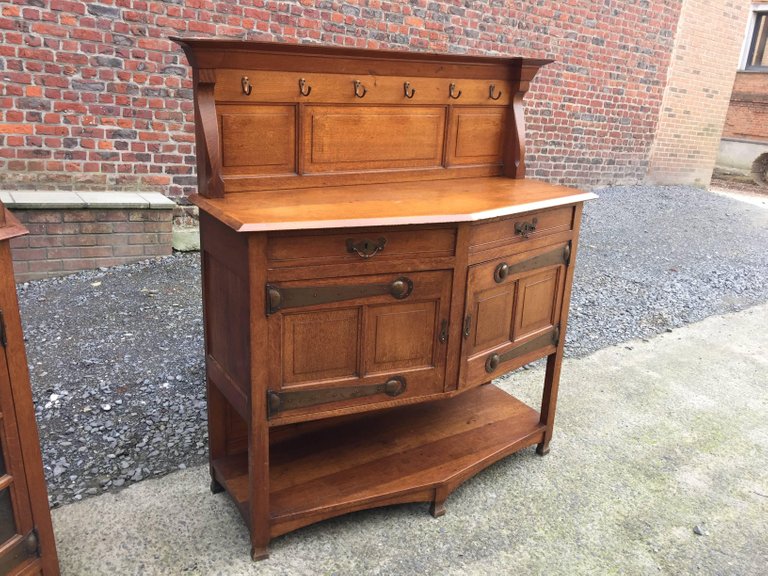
(66, 241)
(95, 97)
(697, 91)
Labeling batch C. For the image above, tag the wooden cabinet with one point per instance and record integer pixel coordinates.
(372, 259)
(26, 536)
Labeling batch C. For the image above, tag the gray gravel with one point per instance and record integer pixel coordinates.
(116, 355)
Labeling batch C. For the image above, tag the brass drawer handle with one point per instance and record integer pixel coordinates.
(366, 248)
(291, 400)
(452, 92)
(525, 228)
(501, 272)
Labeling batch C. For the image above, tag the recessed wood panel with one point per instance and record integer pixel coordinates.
(493, 317)
(258, 139)
(476, 135)
(400, 336)
(343, 138)
(320, 345)
(537, 303)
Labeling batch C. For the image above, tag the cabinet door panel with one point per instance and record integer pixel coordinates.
(400, 336)
(320, 345)
(334, 349)
(538, 307)
(511, 311)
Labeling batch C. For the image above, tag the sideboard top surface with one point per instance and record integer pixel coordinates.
(387, 204)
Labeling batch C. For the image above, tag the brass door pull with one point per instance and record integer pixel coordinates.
(366, 248)
(291, 400)
(501, 272)
(525, 228)
(278, 297)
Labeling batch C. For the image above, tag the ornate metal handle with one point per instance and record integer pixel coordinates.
(525, 228)
(409, 92)
(304, 88)
(501, 272)
(245, 83)
(491, 91)
(366, 248)
(401, 288)
(278, 297)
(358, 86)
(444, 332)
(552, 338)
(452, 92)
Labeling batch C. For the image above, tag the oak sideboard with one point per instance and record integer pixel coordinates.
(372, 258)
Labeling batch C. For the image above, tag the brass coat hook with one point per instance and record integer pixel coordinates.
(491, 90)
(358, 86)
(452, 92)
(409, 92)
(304, 89)
(246, 84)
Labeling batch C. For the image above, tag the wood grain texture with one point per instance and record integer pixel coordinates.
(20, 443)
(400, 455)
(336, 197)
(427, 202)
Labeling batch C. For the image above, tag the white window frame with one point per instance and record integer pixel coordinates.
(753, 10)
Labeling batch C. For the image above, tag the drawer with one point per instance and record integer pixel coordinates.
(353, 245)
(522, 231)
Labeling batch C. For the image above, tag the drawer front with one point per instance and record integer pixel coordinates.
(516, 233)
(358, 245)
(513, 311)
(357, 341)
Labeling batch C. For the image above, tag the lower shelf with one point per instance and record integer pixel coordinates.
(410, 454)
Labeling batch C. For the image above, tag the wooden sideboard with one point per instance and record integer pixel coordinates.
(372, 258)
(26, 537)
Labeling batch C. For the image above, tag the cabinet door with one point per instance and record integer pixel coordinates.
(357, 340)
(18, 543)
(513, 312)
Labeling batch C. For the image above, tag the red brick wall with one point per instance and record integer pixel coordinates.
(748, 112)
(95, 97)
(65, 241)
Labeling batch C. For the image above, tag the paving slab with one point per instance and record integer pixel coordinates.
(655, 441)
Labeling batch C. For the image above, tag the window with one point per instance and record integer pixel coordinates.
(756, 57)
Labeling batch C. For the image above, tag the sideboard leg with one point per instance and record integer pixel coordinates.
(259, 553)
(437, 509)
(216, 488)
(542, 449)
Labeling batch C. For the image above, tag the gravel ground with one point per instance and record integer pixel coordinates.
(116, 355)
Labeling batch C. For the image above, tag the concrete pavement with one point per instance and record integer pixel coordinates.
(654, 441)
